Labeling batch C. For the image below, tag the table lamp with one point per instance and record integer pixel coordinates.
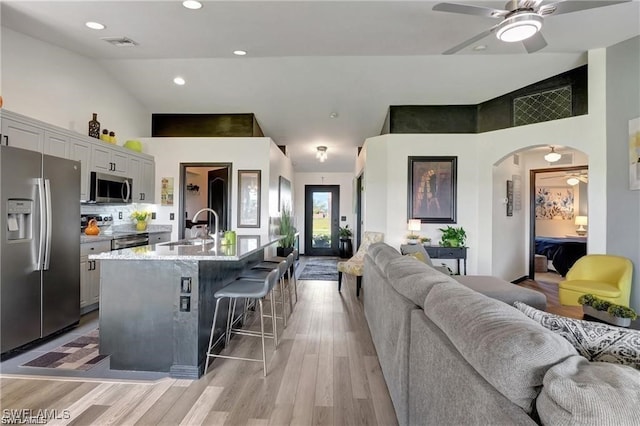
(581, 221)
(413, 227)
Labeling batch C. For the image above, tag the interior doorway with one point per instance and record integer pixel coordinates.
(558, 216)
(321, 220)
(204, 185)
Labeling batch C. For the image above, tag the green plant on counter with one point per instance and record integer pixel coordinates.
(286, 228)
(611, 308)
(453, 237)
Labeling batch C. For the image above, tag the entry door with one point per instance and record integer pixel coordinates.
(321, 210)
(218, 196)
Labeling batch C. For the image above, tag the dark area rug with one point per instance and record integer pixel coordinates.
(320, 269)
(79, 354)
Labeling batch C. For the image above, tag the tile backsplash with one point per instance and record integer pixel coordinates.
(115, 210)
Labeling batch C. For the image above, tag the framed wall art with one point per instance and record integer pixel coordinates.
(634, 154)
(249, 198)
(284, 193)
(432, 189)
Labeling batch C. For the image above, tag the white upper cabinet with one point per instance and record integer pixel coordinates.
(22, 135)
(93, 154)
(56, 144)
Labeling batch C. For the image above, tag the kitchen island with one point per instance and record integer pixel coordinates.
(157, 301)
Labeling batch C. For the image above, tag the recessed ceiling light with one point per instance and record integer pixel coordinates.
(333, 115)
(192, 4)
(95, 25)
(480, 47)
(179, 81)
(240, 52)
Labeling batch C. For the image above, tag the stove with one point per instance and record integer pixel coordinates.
(121, 239)
(104, 221)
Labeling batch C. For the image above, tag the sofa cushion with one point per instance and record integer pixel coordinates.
(508, 349)
(593, 340)
(497, 288)
(414, 279)
(577, 392)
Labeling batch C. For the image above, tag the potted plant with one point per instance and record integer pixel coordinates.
(453, 237)
(425, 240)
(412, 238)
(285, 246)
(346, 249)
(606, 311)
(141, 218)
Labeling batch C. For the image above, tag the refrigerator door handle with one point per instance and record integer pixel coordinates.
(47, 255)
(125, 196)
(43, 225)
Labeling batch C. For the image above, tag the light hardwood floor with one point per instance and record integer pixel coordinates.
(325, 371)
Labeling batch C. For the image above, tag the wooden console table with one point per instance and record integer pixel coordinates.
(457, 253)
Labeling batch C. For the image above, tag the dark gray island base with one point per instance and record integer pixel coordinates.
(157, 303)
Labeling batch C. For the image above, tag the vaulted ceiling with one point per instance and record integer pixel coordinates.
(308, 59)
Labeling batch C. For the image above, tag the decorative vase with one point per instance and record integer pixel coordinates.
(141, 225)
(606, 317)
(94, 127)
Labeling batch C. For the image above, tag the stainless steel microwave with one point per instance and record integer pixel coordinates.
(107, 188)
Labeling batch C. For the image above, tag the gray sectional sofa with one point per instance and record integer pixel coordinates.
(453, 356)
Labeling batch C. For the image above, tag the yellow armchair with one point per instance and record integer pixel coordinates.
(605, 276)
(355, 265)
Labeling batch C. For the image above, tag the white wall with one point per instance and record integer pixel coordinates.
(510, 242)
(62, 88)
(386, 177)
(243, 153)
(623, 205)
(345, 180)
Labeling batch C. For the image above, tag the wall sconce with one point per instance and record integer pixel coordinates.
(581, 222)
(552, 156)
(321, 153)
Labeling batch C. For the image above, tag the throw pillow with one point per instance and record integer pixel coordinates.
(579, 392)
(594, 341)
(417, 255)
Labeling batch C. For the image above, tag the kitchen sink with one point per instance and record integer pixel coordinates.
(192, 242)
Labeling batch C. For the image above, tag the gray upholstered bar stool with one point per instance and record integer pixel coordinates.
(244, 289)
(291, 265)
(257, 273)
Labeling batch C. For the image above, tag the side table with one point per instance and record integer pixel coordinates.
(457, 253)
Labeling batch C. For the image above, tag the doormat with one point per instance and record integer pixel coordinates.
(79, 354)
(320, 269)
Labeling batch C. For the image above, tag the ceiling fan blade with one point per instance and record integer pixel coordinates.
(561, 7)
(470, 41)
(534, 43)
(583, 179)
(470, 10)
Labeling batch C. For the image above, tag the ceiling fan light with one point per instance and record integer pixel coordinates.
(519, 27)
(552, 156)
(573, 181)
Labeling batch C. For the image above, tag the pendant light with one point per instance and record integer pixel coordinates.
(552, 156)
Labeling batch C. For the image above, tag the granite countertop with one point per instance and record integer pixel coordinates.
(177, 250)
(108, 235)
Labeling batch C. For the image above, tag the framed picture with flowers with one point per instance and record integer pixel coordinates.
(431, 191)
(249, 187)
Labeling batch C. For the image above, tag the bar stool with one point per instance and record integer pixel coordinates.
(258, 273)
(251, 289)
(291, 260)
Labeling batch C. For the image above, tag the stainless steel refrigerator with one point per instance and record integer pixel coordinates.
(39, 245)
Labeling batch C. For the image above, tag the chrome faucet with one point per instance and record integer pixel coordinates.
(215, 216)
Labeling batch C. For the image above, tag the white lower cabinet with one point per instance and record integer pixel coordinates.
(90, 275)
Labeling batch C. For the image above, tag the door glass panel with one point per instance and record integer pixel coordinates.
(321, 230)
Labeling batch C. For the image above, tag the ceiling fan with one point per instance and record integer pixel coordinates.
(573, 178)
(521, 20)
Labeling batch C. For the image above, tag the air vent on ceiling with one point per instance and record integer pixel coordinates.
(565, 159)
(120, 41)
